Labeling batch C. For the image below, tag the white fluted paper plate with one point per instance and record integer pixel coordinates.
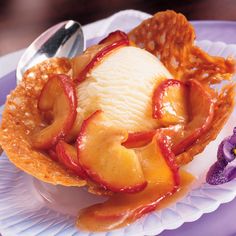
(29, 207)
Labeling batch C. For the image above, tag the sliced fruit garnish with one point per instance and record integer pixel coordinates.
(67, 155)
(158, 161)
(171, 133)
(74, 131)
(78, 63)
(201, 115)
(114, 37)
(139, 139)
(169, 102)
(162, 176)
(59, 98)
(105, 160)
(52, 153)
(99, 56)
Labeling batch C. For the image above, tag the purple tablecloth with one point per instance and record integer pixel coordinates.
(218, 223)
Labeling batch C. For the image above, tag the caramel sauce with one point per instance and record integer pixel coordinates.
(122, 209)
(186, 180)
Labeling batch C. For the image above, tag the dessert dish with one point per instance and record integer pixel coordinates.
(122, 118)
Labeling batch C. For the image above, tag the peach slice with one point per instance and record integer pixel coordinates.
(201, 115)
(67, 155)
(139, 139)
(58, 96)
(169, 102)
(114, 37)
(162, 175)
(105, 160)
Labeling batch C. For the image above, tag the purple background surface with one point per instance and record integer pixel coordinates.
(224, 31)
(222, 221)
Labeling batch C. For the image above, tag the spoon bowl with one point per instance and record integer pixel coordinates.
(65, 39)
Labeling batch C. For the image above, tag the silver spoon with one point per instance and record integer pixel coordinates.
(65, 39)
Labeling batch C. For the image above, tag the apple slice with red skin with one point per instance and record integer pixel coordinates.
(52, 153)
(201, 114)
(139, 139)
(169, 107)
(114, 37)
(67, 155)
(82, 64)
(58, 97)
(79, 62)
(159, 169)
(158, 161)
(105, 160)
(74, 131)
(100, 56)
(170, 103)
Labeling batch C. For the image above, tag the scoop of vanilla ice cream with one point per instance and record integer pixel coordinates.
(121, 85)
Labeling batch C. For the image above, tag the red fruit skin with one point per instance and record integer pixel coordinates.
(68, 160)
(100, 214)
(170, 160)
(69, 91)
(66, 84)
(152, 205)
(93, 176)
(99, 56)
(169, 156)
(52, 153)
(203, 125)
(139, 139)
(114, 36)
(158, 94)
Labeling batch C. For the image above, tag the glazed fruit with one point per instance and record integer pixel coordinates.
(201, 114)
(114, 37)
(99, 56)
(67, 155)
(74, 131)
(169, 102)
(105, 160)
(159, 169)
(122, 87)
(158, 161)
(79, 62)
(139, 139)
(58, 97)
(52, 153)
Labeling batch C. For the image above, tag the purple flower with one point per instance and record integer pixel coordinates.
(220, 172)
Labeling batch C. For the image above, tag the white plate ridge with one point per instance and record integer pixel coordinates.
(23, 212)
